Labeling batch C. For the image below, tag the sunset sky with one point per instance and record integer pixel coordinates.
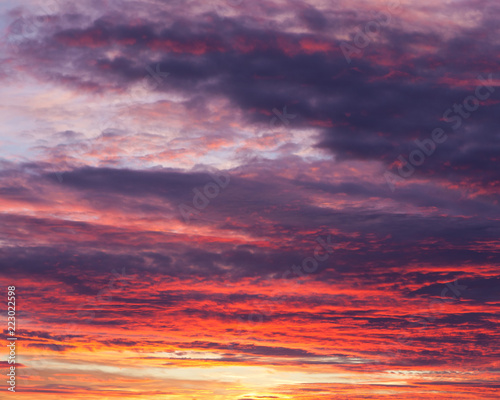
(242, 200)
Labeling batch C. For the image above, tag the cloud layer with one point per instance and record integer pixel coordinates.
(169, 171)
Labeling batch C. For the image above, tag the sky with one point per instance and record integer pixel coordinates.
(242, 200)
